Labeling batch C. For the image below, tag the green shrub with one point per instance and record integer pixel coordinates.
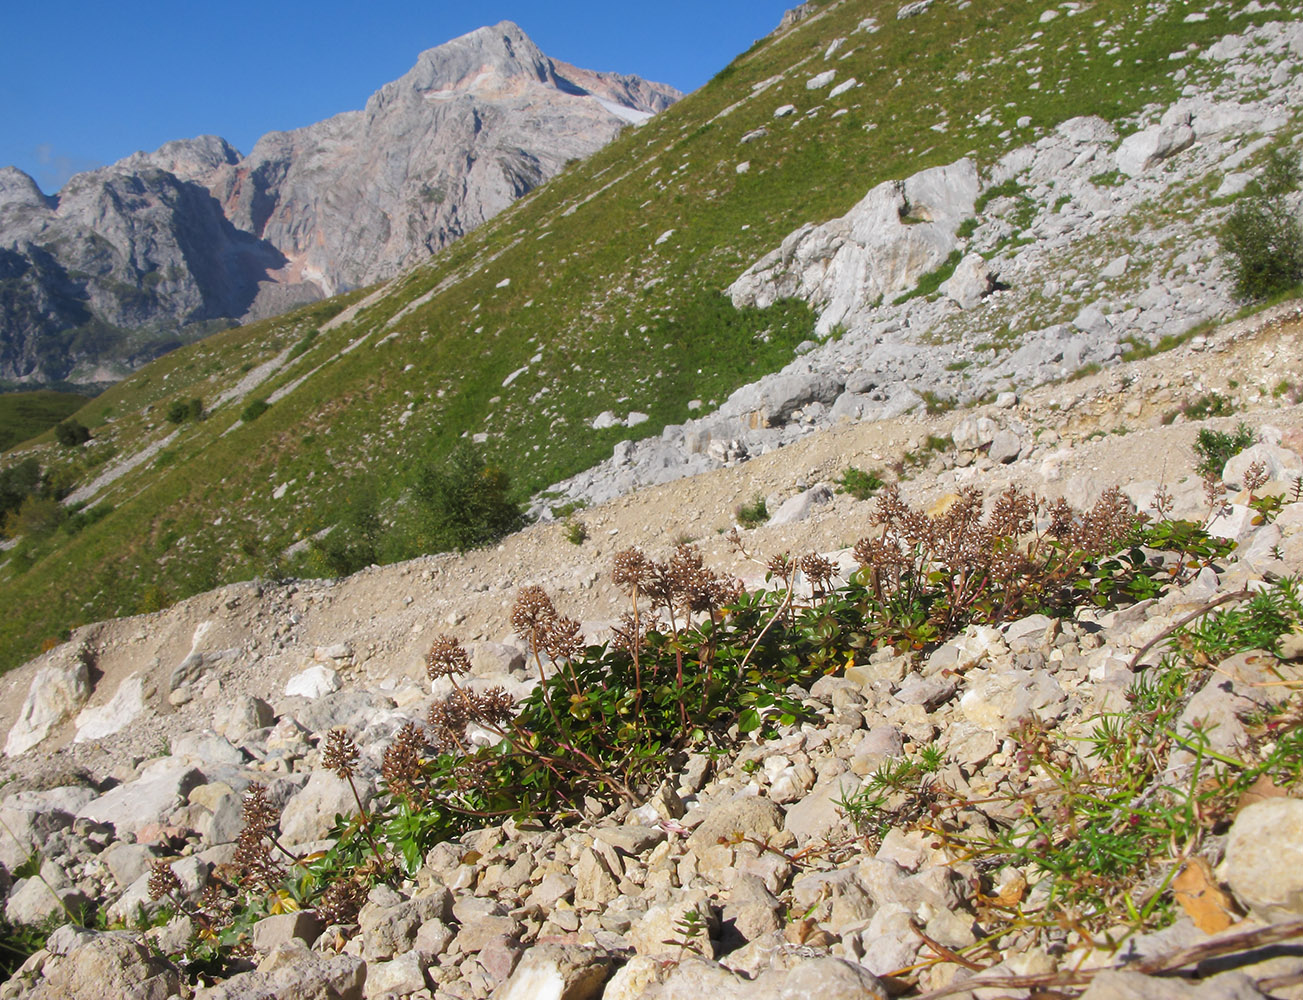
(17, 483)
(696, 663)
(71, 433)
(1262, 239)
(465, 503)
(753, 514)
(1216, 448)
(575, 532)
(355, 542)
(182, 410)
(254, 410)
(37, 517)
(935, 403)
(858, 483)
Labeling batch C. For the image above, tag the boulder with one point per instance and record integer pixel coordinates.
(153, 797)
(37, 901)
(801, 506)
(126, 705)
(1264, 858)
(1141, 151)
(772, 400)
(1279, 463)
(660, 930)
(493, 659)
(818, 814)
(970, 283)
(270, 932)
(403, 976)
(314, 682)
(749, 815)
(974, 433)
(1006, 446)
(244, 716)
(558, 972)
(310, 814)
(826, 978)
(58, 690)
(997, 700)
(108, 965)
(292, 971)
(28, 819)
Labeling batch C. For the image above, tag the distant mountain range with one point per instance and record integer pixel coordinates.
(159, 249)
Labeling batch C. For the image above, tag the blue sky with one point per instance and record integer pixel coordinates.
(84, 83)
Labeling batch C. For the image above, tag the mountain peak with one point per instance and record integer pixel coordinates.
(485, 57)
(188, 159)
(18, 188)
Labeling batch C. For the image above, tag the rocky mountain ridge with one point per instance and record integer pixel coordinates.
(129, 260)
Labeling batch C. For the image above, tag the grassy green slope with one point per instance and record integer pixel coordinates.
(579, 286)
(25, 415)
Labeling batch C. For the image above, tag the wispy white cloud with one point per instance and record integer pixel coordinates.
(55, 167)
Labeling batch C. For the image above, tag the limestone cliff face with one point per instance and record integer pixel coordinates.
(124, 263)
(474, 125)
(136, 257)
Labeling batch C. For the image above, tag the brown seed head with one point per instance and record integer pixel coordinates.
(163, 881)
(1255, 477)
(563, 639)
(401, 767)
(494, 707)
(446, 658)
(341, 753)
(341, 901)
(818, 570)
(629, 570)
(533, 613)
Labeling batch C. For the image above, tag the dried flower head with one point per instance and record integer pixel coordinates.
(1106, 525)
(1163, 502)
(1255, 477)
(253, 860)
(401, 767)
(446, 658)
(533, 613)
(494, 707)
(257, 811)
(562, 639)
(447, 721)
(163, 881)
(630, 635)
(1214, 491)
(629, 570)
(341, 901)
(781, 566)
(341, 753)
(818, 570)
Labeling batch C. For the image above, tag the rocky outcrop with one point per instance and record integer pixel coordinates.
(900, 231)
(1029, 299)
(172, 244)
